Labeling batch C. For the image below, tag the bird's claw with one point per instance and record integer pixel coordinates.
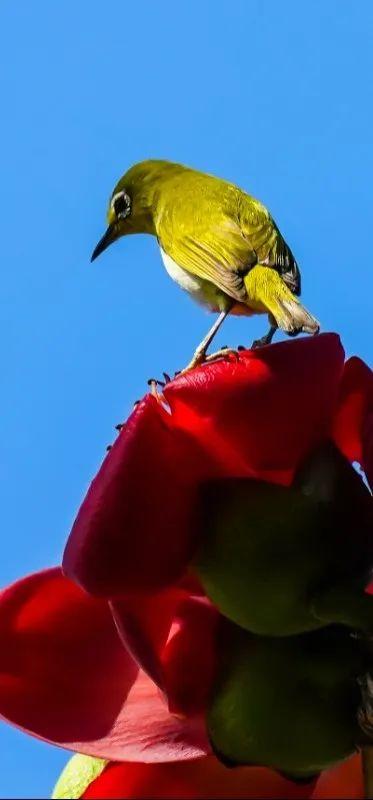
(260, 343)
(224, 352)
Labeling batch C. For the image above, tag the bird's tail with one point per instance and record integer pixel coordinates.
(267, 292)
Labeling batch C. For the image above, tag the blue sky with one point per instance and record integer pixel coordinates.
(275, 96)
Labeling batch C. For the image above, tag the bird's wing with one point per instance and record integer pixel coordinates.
(218, 233)
(263, 236)
(218, 254)
(207, 260)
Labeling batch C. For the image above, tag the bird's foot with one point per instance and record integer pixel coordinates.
(259, 343)
(200, 357)
(267, 339)
(224, 352)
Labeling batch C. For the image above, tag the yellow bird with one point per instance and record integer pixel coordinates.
(217, 242)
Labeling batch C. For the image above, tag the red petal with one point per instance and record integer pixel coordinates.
(263, 412)
(66, 678)
(147, 732)
(355, 401)
(344, 782)
(64, 674)
(144, 622)
(135, 527)
(202, 779)
(171, 635)
(189, 657)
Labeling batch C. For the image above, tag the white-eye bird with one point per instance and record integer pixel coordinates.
(217, 242)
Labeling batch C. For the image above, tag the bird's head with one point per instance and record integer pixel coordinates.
(133, 202)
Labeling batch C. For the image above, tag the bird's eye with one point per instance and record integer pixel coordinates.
(122, 205)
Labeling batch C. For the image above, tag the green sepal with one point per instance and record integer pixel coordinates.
(281, 561)
(286, 703)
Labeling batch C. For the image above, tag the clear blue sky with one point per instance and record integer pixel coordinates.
(275, 96)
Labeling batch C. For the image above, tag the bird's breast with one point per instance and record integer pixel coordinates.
(191, 283)
(200, 290)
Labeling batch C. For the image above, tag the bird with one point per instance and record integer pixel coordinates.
(217, 242)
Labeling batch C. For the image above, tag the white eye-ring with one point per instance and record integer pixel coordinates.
(121, 204)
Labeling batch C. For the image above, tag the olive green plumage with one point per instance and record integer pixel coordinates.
(207, 225)
(217, 242)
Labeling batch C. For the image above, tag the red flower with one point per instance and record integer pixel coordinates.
(141, 696)
(65, 677)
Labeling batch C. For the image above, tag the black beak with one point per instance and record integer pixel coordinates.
(108, 238)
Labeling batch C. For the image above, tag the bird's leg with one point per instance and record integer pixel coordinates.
(268, 336)
(200, 353)
(265, 339)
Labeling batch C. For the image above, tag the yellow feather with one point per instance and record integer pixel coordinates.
(266, 291)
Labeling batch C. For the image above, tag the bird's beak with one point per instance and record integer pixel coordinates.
(109, 237)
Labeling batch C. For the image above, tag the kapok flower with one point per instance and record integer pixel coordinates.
(144, 540)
